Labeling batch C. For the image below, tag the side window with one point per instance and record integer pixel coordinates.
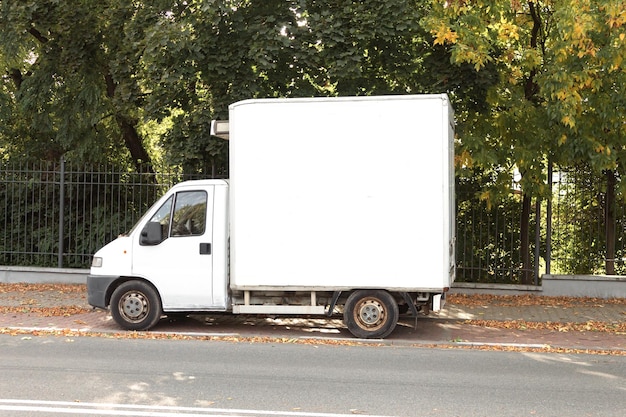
(189, 217)
(162, 216)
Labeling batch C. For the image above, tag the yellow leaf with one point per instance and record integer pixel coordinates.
(464, 159)
(577, 31)
(485, 196)
(567, 121)
(445, 35)
(507, 30)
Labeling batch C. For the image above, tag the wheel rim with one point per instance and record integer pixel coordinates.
(134, 306)
(370, 314)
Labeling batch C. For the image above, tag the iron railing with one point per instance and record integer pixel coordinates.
(59, 214)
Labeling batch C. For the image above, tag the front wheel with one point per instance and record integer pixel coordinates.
(135, 305)
(371, 314)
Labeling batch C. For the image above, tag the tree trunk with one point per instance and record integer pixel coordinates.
(609, 222)
(133, 142)
(131, 137)
(527, 278)
(531, 90)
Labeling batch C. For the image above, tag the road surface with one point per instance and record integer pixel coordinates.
(91, 376)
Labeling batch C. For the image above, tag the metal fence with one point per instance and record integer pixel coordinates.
(584, 205)
(569, 234)
(59, 214)
(488, 246)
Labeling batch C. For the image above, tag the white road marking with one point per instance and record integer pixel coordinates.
(106, 409)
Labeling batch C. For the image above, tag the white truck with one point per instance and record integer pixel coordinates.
(333, 205)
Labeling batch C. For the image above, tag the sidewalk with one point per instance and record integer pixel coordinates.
(573, 324)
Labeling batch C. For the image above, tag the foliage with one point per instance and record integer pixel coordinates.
(93, 82)
(560, 90)
(559, 95)
(68, 81)
(234, 50)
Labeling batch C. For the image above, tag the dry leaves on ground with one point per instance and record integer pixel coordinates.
(62, 311)
(589, 326)
(60, 288)
(172, 336)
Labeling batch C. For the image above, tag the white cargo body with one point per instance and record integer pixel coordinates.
(334, 205)
(342, 193)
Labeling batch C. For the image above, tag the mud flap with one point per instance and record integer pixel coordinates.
(439, 300)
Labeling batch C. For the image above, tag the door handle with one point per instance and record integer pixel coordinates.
(205, 248)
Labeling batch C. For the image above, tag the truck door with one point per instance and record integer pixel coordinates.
(179, 261)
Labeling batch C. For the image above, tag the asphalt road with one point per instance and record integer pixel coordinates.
(46, 376)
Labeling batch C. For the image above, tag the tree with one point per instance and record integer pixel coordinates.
(70, 78)
(234, 50)
(202, 56)
(560, 80)
(97, 81)
(139, 82)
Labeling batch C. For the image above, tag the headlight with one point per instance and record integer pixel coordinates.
(96, 262)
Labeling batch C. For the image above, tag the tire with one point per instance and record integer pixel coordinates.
(371, 314)
(136, 305)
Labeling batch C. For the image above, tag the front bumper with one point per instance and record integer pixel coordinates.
(98, 294)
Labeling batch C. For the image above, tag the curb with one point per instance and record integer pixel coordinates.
(259, 338)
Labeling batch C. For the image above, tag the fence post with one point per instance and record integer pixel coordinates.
(537, 238)
(549, 219)
(609, 223)
(61, 210)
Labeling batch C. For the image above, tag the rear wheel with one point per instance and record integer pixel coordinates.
(135, 305)
(371, 314)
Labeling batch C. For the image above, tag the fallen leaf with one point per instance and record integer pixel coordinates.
(589, 326)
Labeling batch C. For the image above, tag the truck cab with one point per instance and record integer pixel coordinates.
(177, 255)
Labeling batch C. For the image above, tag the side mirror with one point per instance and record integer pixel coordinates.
(152, 234)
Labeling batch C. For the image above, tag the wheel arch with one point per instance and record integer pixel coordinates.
(345, 294)
(121, 280)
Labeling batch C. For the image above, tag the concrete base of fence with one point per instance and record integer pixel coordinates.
(599, 286)
(501, 289)
(25, 274)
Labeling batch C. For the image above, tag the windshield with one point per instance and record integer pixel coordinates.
(160, 214)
